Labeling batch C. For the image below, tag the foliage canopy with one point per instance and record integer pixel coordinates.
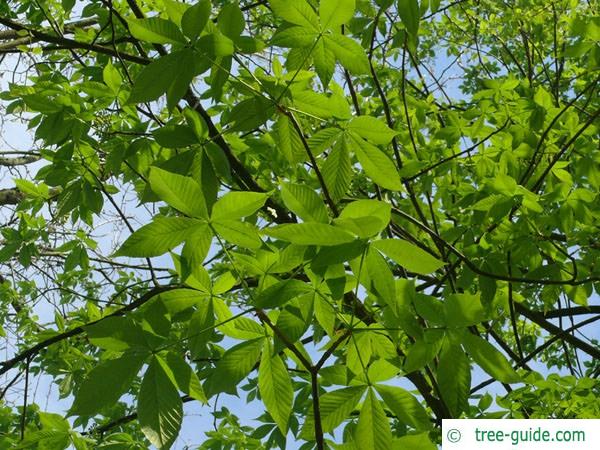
(363, 216)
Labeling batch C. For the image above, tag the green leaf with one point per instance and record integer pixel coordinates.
(182, 376)
(112, 77)
(235, 205)
(409, 13)
(298, 12)
(195, 19)
(280, 293)
(235, 364)
(319, 105)
(376, 164)
(405, 407)
(337, 172)
(304, 202)
(373, 429)
(490, 359)
(154, 80)
(178, 300)
(275, 387)
(158, 237)
(295, 37)
(231, 20)
(238, 328)
(195, 249)
(170, 74)
(377, 213)
(381, 276)
(408, 255)
(182, 193)
(117, 334)
(175, 136)
(335, 407)
(243, 234)
(420, 354)
(288, 141)
(105, 383)
(156, 31)
(185, 73)
(334, 13)
(348, 52)
(216, 44)
(159, 407)
(372, 129)
(201, 327)
(309, 233)
(324, 60)
(454, 378)
(464, 310)
(419, 441)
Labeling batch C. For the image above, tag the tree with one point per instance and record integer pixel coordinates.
(348, 211)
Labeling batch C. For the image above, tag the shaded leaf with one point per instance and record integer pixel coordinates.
(159, 407)
(156, 30)
(106, 383)
(490, 359)
(408, 255)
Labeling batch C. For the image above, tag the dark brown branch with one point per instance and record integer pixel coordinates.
(32, 351)
(71, 43)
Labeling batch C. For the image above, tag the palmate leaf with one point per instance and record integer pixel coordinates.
(159, 407)
(348, 52)
(372, 129)
(463, 310)
(409, 13)
(377, 213)
(182, 375)
(408, 255)
(310, 233)
(454, 378)
(159, 236)
(106, 383)
(182, 193)
(373, 429)
(170, 74)
(295, 37)
(243, 234)
(288, 140)
(324, 60)
(235, 205)
(298, 12)
(117, 334)
(405, 406)
(280, 293)
(195, 18)
(376, 164)
(337, 171)
(334, 13)
(490, 359)
(420, 354)
(233, 367)
(335, 407)
(275, 387)
(304, 202)
(231, 20)
(419, 441)
(156, 31)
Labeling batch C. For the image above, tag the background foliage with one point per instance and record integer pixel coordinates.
(363, 216)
